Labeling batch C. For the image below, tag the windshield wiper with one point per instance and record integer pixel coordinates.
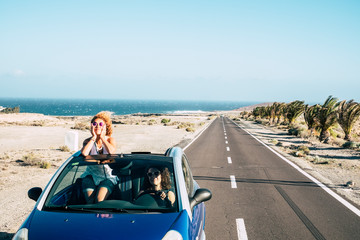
(118, 210)
(77, 209)
(155, 210)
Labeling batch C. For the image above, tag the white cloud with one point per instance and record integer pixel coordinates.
(18, 73)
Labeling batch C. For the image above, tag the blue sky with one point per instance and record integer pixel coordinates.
(181, 50)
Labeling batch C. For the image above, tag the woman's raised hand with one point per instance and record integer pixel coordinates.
(103, 132)
(92, 130)
(163, 195)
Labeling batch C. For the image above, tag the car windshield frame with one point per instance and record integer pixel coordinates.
(130, 171)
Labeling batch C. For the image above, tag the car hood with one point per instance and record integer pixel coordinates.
(60, 225)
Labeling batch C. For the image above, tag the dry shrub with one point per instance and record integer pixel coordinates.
(351, 145)
(152, 122)
(304, 149)
(186, 125)
(45, 165)
(190, 129)
(299, 154)
(30, 159)
(319, 160)
(172, 123)
(81, 126)
(165, 120)
(64, 148)
(300, 151)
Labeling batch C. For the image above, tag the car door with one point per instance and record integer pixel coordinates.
(198, 212)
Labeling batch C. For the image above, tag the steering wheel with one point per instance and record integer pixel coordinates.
(146, 192)
(146, 198)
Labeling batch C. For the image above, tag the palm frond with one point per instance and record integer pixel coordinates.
(327, 116)
(294, 110)
(310, 116)
(347, 115)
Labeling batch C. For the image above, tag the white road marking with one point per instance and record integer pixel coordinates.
(241, 230)
(225, 137)
(226, 142)
(320, 184)
(225, 134)
(229, 160)
(233, 181)
(228, 149)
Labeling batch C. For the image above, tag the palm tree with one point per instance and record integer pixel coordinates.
(294, 110)
(244, 114)
(277, 111)
(264, 112)
(257, 112)
(272, 113)
(327, 117)
(268, 113)
(310, 116)
(347, 114)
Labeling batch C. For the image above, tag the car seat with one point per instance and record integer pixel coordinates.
(77, 194)
(130, 181)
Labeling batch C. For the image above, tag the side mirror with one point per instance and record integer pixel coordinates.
(34, 193)
(201, 195)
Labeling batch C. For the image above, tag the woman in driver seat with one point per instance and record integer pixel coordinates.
(157, 182)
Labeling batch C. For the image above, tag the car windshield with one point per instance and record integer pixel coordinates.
(126, 177)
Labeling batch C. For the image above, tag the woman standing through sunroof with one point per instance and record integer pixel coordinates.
(98, 181)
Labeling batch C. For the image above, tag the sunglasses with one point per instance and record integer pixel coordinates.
(155, 174)
(100, 124)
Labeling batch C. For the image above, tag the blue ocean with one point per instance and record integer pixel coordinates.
(88, 107)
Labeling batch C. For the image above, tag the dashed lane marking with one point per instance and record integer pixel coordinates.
(233, 181)
(241, 230)
(320, 184)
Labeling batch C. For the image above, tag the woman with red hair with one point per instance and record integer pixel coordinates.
(98, 181)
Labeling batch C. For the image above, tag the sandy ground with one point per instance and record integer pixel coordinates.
(29, 139)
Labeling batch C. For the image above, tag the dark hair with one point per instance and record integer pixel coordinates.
(165, 179)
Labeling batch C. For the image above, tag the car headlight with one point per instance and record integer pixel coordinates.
(172, 235)
(22, 234)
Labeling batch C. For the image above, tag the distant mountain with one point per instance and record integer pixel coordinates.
(251, 107)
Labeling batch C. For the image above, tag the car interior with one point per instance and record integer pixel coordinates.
(131, 174)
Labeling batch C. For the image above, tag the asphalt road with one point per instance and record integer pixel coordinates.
(268, 198)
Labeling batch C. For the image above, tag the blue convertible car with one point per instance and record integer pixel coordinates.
(130, 212)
